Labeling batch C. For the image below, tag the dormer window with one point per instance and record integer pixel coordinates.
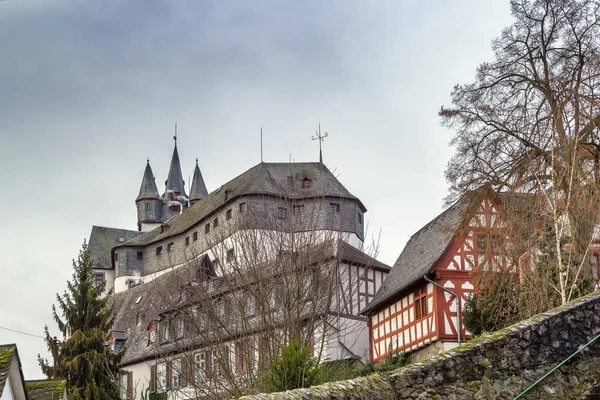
(227, 194)
(306, 183)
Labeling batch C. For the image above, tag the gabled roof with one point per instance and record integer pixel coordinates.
(271, 179)
(198, 189)
(148, 189)
(7, 352)
(174, 180)
(46, 389)
(103, 239)
(9, 355)
(421, 253)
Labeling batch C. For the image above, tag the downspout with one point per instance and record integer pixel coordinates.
(458, 308)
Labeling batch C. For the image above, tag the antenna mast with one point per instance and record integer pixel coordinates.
(320, 138)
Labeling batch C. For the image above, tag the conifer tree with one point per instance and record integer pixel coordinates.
(85, 318)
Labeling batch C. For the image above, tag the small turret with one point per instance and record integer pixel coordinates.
(174, 198)
(148, 202)
(198, 190)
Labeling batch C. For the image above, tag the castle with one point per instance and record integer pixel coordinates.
(202, 288)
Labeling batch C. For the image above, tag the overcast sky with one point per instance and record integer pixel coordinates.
(90, 89)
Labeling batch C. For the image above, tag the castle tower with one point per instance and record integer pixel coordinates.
(174, 198)
(148, 202)
(198, 190)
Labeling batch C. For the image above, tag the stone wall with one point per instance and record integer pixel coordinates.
(500, 365)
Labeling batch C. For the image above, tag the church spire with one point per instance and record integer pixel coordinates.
(148, 189)
(174, 185)
(198, 190)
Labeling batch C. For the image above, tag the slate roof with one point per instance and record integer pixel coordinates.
(352, 255)
(198, 189)
(148, 189)
(46, 389)
(103, 239)
(146, 302)
(174, 180)
(421, 253)
(274, 179)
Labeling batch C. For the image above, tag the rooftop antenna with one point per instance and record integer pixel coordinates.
(261, 147)
(175, 137)
(320, 138)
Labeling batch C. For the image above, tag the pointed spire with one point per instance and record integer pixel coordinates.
(174, 182)
(148, 189)
(198, 190)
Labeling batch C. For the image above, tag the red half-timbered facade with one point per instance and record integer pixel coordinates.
(411, 310)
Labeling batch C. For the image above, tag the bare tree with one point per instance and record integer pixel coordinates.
(271, 275)
(528, 125)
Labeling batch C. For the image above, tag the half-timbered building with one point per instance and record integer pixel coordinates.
(419, 302)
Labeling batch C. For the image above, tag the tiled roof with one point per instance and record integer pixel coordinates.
(274, 179)
(103, 239)
(421, 253)
(46, 389)
(7, 353)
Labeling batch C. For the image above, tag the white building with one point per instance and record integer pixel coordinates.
(212, 282)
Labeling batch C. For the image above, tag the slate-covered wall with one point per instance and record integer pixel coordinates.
(319, 213)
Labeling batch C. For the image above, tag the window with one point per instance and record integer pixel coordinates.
(147, 207)
(200, 360)
(98, 279)
(151, 333)
(219, 363)
(228, 214)
(227, 194)
(116, 257)
(306, 183)
(242, 355)
(281, 212)
(195, 236)
(215, 223)
(176, 373)
(207, 228)
(335, 207)
(299, 210)
(421, 303)
(125, 386)
(161, 377)
(242, 207)
(159, 250)
(202, 320)
(164, 331)
(359, 218)
(187, 241)
(230, 255)
(179, 328)
(170, 247)
(487, 243)
(139, 256)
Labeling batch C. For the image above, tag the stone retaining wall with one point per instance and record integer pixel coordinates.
(500, 365)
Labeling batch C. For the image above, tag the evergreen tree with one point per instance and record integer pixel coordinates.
(85, 319)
